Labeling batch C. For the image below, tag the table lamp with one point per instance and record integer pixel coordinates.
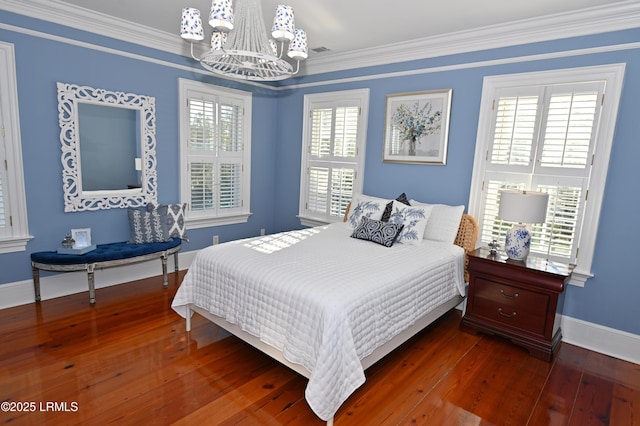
(521, 207)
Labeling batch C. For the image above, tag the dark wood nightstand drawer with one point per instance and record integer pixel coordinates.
(506, 295)
(511, 306)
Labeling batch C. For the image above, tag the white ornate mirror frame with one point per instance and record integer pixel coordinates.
(75, 199)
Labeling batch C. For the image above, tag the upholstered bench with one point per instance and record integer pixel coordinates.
(104, 256)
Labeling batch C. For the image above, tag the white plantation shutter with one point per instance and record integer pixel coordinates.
(515, 130)
(230, 186)
(217, 154)
(318, 190)
(342, 184)
(5, 228)
(332, 154)
(202, 186)
(332, 163)
(3, 217)
(543, 140)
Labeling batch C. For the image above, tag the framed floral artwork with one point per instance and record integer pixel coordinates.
(417, 127)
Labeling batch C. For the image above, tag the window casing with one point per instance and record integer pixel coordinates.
(215, 154)
(14, 230)
(334, 135)
(552, 132)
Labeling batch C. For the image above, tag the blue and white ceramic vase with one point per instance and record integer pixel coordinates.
(518, 242)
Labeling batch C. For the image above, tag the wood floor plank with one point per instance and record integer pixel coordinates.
(398, 384)
(440, 403)
(624, 407)
(128, 360)
(595, 394)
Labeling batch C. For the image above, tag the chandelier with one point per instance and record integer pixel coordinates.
(240, 46)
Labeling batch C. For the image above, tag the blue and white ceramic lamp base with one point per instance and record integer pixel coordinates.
(518, 242)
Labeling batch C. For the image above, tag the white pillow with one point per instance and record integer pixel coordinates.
(365, 206)
(443, 223)
(414, 219)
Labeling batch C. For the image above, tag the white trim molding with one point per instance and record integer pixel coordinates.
(17, 236)
(598, 338)
(595, 20)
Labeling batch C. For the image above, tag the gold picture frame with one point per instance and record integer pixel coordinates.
(417, 127)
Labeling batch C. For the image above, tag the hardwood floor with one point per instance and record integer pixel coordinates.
(128, 360)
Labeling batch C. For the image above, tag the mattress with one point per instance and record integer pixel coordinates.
(323, 299)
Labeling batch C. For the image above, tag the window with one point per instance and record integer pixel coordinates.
(215, 154)
(334, 134)
(549, 132)
(14, 232)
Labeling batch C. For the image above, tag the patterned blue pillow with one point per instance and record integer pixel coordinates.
(175, 217)
(365, 206)
(148, 226)
(414, 220)
(383, 233)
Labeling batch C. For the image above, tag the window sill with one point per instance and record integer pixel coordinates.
(195, 223)
(579, 278)
(315, 221)
(14, 244)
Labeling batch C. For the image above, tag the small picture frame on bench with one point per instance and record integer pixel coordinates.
(82, 237)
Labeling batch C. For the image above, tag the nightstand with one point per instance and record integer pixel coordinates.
(521, 301)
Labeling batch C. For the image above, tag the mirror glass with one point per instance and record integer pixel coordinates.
(108, 148)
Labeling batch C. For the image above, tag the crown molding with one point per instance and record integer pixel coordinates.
(616, 17)
(62, 13)
(595, 20)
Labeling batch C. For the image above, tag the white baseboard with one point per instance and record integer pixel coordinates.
(606, 340)
(609, 341)
(64, 284)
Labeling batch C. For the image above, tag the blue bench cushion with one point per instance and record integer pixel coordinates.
(103, 253)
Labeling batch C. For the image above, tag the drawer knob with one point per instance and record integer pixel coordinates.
(511, 315)
(508, 296)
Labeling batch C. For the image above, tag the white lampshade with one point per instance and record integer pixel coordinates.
(298, 47)
(191, 27)
(218, 39)
(523, 206)
(221, 15)
(283, 23)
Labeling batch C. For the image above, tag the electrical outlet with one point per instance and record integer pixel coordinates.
(263, 231)
(216, 240)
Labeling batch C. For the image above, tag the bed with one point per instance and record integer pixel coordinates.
(325, 303)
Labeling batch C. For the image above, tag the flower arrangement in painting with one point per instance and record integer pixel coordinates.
(414, 122)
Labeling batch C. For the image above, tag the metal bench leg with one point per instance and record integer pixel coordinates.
(175, 261)
(165, 279)
(92, 285)
(36, 282)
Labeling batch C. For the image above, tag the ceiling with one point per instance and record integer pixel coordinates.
(346, 26)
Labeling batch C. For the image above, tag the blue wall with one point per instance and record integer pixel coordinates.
(608, 299)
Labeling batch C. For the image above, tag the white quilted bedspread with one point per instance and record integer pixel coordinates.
(323, 299)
